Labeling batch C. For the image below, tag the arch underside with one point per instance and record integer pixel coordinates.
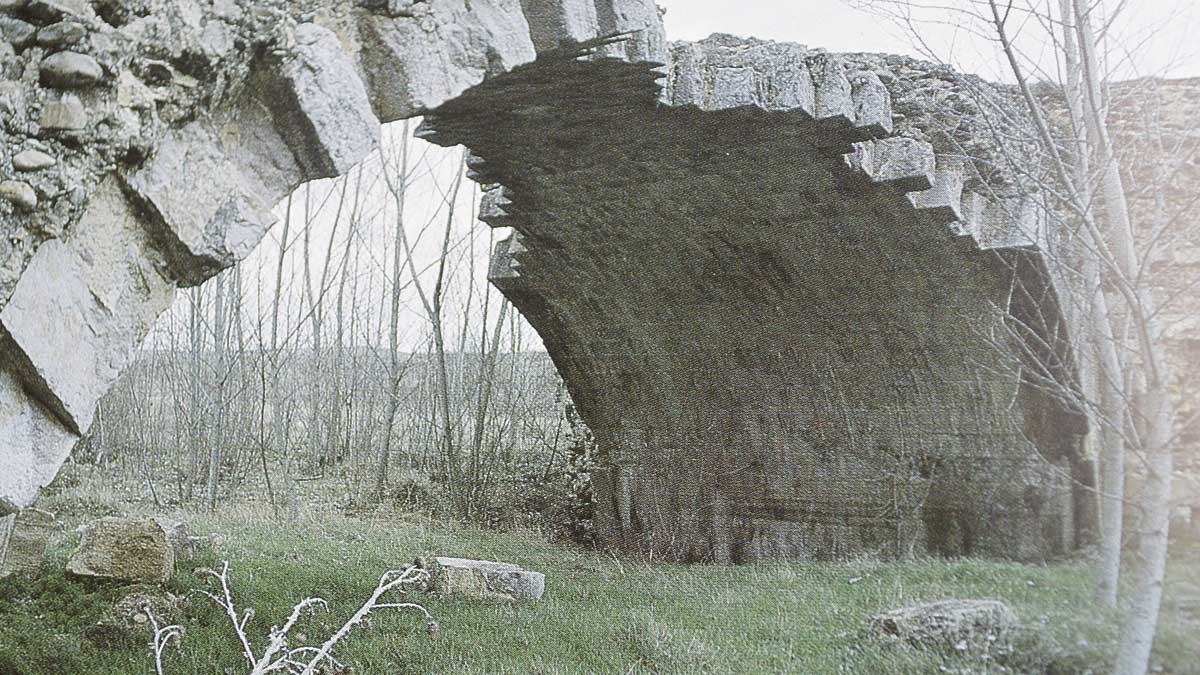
(779, 356)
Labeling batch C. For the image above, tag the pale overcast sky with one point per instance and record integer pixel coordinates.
(836, 26)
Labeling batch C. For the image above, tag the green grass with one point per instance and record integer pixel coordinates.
(599, 614)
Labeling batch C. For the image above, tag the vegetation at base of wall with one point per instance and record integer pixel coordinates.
(600, 614)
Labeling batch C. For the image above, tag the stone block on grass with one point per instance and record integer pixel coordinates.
(487, 579)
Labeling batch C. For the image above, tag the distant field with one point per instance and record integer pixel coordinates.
(599, 614)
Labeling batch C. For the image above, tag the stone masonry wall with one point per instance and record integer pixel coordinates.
(775, 314)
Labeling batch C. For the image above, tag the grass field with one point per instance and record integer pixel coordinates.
(599, 615)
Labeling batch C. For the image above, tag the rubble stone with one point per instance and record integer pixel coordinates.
(48, 11)
(16, 32)
(33, 160)
(65, 114)
(70, 70)
(61, 34)
(957, 625)
(19, 193)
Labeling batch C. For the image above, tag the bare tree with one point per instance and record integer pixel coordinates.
(1130, 402)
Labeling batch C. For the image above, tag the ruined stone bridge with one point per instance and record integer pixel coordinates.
(776, 286)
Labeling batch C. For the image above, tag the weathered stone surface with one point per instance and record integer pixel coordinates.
(11, 5)
(19, 193)
(127, 623)
(486, 579)
(411, 68)
(957, 625)
(33, 445)
(65, 114)
(219, 109)
(654, 298)
(33, 160)
(47, 11)
(23, 539)
(15, 31)
(82, 307)
(327, 117)
(61, 34)
(124, 549)
(70, 70)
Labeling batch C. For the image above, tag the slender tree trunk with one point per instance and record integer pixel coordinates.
(216, 440)
(196, 412)
(400, 254)
(1141, 622)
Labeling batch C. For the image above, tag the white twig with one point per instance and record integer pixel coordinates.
(162, 637)
(279, 637)
(297, 660)
(409, 575)
(226, 602)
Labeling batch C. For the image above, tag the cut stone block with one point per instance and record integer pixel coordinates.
(552, 22)
(872, 105)
(23, 546)
(411, 68)
(124, 549)
(324, 111)
(33, 445)
(905, 164)
(723, 72)
(486, 579)
(201, 196)
(82, 307)
(648, 41)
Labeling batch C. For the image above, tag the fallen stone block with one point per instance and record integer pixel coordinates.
(180, 536)
(958, 625)
(23, 544)
(486, 579)
(127, 622)
(124, 549)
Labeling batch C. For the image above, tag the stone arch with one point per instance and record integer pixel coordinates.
(749, 376)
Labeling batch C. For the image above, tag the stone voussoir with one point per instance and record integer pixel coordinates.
(329, 122)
